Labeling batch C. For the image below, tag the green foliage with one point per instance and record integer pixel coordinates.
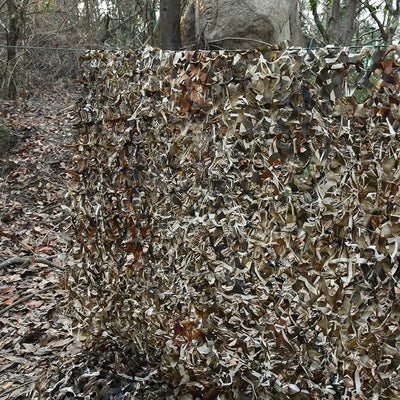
(370, 7)
(47, 6)
(313, 5)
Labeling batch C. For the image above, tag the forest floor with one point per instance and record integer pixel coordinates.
(36, 336)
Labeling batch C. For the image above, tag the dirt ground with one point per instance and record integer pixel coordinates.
(36, 335)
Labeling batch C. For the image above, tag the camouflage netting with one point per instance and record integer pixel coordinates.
(238, 220)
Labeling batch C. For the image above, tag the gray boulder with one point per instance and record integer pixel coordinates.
(240, 24)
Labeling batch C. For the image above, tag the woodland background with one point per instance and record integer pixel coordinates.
(40, 40)
(40, 45)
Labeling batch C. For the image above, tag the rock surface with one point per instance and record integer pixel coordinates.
(244, 24)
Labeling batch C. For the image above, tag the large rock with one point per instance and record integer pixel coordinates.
(240, 24)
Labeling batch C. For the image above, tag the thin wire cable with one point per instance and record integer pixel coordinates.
(124, 49)
(47, 48)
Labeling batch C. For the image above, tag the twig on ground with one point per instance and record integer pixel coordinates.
(29, 259)
(25, 298)
(19, 301)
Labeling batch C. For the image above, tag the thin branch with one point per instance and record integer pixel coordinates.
(307, 20)
(380, 43)
(24, 299)
(151, 36)
(318, 22)
(33, 259)
(2, 6)
(367, 33)
(377, 20)
(19, 301)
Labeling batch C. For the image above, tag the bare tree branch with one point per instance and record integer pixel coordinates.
(25, 298)
(318, 22)
(367, 33)
(376, 19)
(310, 25)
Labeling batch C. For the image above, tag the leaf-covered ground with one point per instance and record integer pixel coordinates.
(35, 335)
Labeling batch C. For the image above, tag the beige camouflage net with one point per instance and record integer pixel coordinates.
(238, 220)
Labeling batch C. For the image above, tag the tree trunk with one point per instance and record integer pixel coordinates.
(334, 25)
(395, 13)
(170, 24)
(349, 22)
(12, 40)
(88, 12)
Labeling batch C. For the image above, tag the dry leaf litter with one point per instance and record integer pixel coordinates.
(36, 336)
